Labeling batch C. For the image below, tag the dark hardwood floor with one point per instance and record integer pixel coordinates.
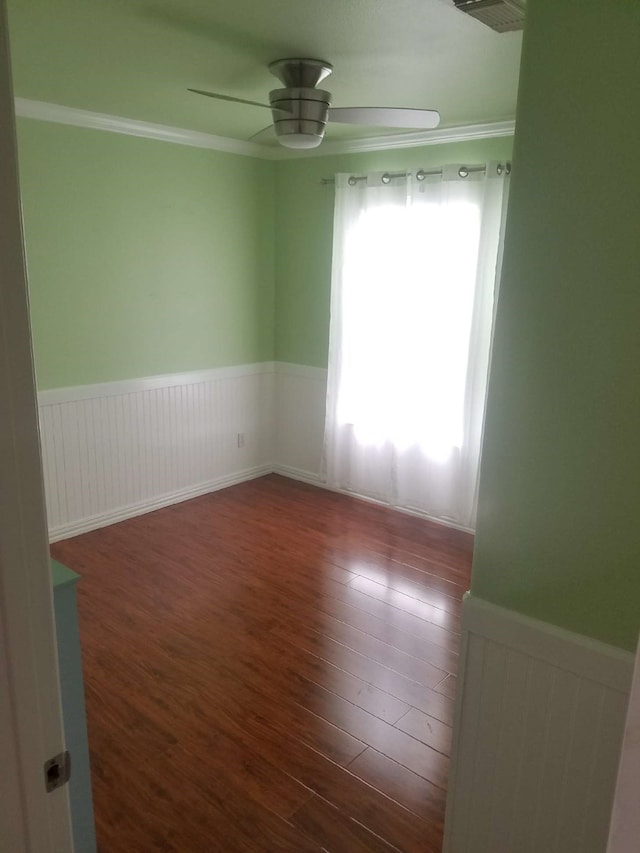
(270, 668)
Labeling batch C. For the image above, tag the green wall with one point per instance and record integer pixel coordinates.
(147, 257)
(558, 535)
(144, 257)
(304, 226)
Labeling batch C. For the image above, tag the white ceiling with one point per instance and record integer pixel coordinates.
(136, 58)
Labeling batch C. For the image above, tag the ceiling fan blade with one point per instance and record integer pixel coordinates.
(266, 132)
(386, 117)
(229, 98)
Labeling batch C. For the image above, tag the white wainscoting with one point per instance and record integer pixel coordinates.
(625, 818)
(119, 449)
(299, 421)
(540, 718)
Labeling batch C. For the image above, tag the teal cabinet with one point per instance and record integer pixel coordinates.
(73, 711)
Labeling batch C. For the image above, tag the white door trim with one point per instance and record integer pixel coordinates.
(31, 728)
(625, 819)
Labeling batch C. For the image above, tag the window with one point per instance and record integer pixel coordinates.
(412, 302)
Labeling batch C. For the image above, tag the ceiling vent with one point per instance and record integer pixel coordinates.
(501, 15)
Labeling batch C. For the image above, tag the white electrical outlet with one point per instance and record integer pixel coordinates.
(240, 439)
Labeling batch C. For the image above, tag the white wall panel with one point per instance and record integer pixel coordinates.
(540, 717)
(625, 820)
(118, 449)
(300, 412)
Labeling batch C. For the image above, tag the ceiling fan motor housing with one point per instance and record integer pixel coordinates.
(300, 115)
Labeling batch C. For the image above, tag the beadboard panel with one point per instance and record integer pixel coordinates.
(539, 722)
(120, 449)
(625, 819)
(300, 413)
(300, 408)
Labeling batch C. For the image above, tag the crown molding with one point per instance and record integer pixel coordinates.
(44, 111)
(60, 114)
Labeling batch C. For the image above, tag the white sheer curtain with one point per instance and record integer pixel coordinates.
(414, 274)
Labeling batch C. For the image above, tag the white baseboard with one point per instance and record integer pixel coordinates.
(298, 474)
(85, 525)
(539, 721)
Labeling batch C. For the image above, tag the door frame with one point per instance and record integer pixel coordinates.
(31, 728)
(624, 831)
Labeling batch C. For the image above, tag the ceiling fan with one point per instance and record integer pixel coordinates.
(300, 111)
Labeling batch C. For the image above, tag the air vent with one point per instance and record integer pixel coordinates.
(501, 15)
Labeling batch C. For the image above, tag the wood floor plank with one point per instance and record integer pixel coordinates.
(402, 640)
(306, 678)
(335, 831)
(310, 768)
(365, 801)
(381, 676)
(450, 561)
(446, 643)
(317, 610)
(221, 682)
(385, 538)
(265, 783)
(391, 608)
(366, 637)
(440, 589)
(178, 811)
(426, 761)
(398, 743)
(427, 729)
(395, 625)
(413, 602)
(418, 670)
(258, 667)
(332, 599)
(402, 785)
(354, 690)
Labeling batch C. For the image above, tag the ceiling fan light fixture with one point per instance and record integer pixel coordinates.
(299, 141)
